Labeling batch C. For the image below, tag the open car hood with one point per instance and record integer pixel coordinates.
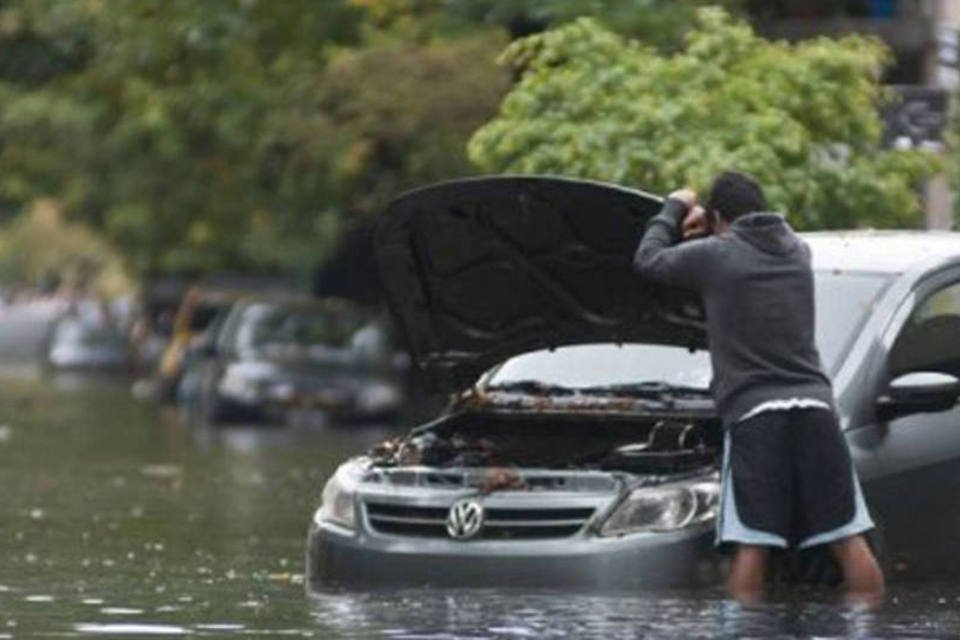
(478, 270)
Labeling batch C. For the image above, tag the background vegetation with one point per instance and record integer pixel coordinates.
(802, 118)
(250, 135)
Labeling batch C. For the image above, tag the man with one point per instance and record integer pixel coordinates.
(787, 478)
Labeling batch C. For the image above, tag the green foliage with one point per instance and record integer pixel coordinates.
(230, 134)
(661, 23)
(163, 138)
(803, 118)
(406, 111)
(657, 22)
(245, 134)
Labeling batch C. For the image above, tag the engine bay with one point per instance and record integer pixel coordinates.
(638, 445)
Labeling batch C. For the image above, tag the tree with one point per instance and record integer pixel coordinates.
(164, 137)
(803, 118)
(233, 134)
(406, 111)
(657, 22)
(40, 244)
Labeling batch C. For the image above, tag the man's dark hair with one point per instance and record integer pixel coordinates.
(734, 194)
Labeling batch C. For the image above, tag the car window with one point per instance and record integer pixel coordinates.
(843, 303)
(589, 365)
(271, 325)
(226, 337)
(930, 339)
(76, 333)
(69, 332)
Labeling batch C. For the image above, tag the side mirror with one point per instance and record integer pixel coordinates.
(919, 392)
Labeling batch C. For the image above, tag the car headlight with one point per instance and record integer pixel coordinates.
(666, 507)
(378, 397)
(338, 496)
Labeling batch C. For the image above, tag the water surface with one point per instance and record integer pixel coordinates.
(120, 519)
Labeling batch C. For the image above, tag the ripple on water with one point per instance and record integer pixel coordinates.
(38, 598)
(224, 626)
(121, 611)
(135, 630)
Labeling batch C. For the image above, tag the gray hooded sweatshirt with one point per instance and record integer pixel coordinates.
(757, 288)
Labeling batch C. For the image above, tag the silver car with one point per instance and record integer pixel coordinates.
(580, 447)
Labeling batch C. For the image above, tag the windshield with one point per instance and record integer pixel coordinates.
(76, 333)
(269, 325)
(843, 302)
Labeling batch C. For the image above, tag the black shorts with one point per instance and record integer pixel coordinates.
(788, 480)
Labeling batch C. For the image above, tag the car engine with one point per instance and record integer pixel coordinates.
(638, 446)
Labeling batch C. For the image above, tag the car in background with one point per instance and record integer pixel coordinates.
(76, 343)
(273, 356)
(200, 306)
(582, 447)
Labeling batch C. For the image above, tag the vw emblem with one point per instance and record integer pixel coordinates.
(465, 519)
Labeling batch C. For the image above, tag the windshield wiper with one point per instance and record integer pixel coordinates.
(532, 387)
(648, 389)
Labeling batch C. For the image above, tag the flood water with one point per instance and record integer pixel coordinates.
(119, 519)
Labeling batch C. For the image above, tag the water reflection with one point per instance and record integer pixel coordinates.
(426, 614)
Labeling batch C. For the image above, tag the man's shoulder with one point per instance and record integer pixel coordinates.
(709, 244)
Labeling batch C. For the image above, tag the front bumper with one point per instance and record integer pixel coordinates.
(339, 557)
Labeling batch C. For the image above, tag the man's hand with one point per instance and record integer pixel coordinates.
(686, 196)
(696, 224)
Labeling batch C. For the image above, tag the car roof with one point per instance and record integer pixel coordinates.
(890, 252)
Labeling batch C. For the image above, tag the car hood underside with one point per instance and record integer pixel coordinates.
(476, 271)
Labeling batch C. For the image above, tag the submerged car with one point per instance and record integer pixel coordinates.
(272, 356)
(79, 344)
(582, 448)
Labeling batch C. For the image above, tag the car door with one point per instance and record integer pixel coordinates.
(916, 495)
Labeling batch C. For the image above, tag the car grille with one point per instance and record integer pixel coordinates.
(499, 523)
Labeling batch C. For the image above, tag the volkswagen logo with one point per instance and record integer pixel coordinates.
(465, 519)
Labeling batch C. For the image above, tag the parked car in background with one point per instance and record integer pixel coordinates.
(200, 306)
(271, 356)
(583, 448)
(82, 344)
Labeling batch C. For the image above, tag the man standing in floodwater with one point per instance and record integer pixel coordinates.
(787, 478)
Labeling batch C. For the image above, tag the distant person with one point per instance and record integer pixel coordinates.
(787, 478)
